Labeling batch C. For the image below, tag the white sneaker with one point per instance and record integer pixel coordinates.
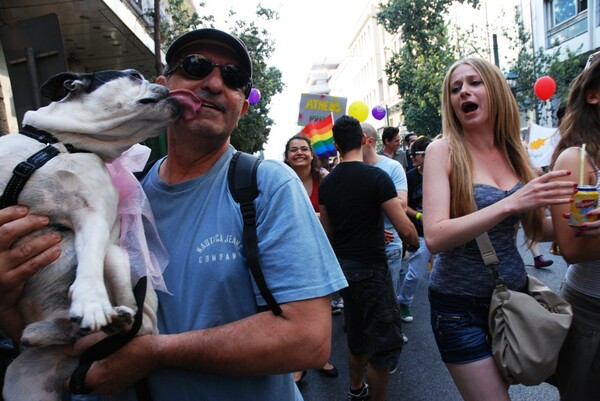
(405, 313)
(335, 308)
(363, 395)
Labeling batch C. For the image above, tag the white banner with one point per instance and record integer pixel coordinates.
(542, 141)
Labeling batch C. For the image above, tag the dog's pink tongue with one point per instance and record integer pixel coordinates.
(190, 102)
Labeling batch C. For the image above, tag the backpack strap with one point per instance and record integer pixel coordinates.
(244, 189)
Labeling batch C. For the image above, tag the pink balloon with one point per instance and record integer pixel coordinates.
(544, 88)
(378, 112)
(254, 96)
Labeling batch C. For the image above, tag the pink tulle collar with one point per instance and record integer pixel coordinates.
(139, 236)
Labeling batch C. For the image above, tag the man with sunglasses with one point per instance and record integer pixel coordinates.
(218, 341)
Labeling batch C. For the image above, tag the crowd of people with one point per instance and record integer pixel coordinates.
(342, 229)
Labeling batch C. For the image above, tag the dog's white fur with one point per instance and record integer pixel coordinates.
(104, 113)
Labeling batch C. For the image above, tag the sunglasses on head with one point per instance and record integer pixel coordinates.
(198, 67)
(418, 152)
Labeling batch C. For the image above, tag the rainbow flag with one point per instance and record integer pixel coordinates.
(321, 136)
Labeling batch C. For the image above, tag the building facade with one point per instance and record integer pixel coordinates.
(39, 38)
(566, 23)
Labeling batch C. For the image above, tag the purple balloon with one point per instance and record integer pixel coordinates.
(378, 112)
(254, 96)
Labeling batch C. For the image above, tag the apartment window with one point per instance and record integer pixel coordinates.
(566, 19)
(564, 10)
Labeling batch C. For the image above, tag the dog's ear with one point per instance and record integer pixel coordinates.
(59, 86)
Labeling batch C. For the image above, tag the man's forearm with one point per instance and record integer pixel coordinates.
(260, 344)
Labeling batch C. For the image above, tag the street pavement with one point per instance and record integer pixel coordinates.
(421, 375)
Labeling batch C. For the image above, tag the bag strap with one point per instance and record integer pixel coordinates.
(244, 189)
(488, 253)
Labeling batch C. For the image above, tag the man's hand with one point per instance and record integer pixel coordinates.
(19, 263)
(123, 368)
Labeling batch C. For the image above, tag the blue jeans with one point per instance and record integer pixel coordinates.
(460, 327)
(394, 260)
(417, 264)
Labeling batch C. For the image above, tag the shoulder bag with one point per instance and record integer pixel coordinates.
(527, 329)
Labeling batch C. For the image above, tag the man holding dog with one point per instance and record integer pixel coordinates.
(216, 342)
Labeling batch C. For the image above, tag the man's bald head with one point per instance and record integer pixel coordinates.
(368, 130)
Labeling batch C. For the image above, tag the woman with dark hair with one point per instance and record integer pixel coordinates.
(300, 156)
(579, 360)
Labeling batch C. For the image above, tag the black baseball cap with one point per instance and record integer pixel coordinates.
(208, 36)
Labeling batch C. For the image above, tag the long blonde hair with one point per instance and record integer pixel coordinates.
(505, 114)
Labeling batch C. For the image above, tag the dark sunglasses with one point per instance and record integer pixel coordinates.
(198, 67)
(418, 152)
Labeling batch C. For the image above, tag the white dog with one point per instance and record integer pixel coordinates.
(89, 287)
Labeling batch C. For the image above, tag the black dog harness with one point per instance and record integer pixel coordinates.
(25, 170)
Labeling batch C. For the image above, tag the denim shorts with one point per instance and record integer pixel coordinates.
(371, 313)
(460, 326)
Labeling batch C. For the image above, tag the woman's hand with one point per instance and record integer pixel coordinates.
(544, 191)
(20, 262)
(389, 236)
(589, 228)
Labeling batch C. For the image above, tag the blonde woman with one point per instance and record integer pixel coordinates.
(478, 179)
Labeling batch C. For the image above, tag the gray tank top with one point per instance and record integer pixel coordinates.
(461, 271)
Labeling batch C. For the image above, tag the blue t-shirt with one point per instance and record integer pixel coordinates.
(201, 227)
(397, 174)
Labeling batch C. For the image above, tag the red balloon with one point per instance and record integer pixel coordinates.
(544, 88)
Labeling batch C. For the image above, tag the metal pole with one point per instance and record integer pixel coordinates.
(157, 57)
(33, 77)
(387, 116)
(496, 57)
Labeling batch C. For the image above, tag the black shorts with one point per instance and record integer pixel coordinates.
(371, 313)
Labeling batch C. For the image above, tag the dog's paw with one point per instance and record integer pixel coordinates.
(121, 321)
(91, 309)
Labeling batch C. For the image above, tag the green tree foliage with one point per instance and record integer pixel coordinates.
(253, 129)
(530, 65)
(419, 67)
(180, 19)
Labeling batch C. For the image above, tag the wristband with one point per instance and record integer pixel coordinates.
(413, 248)
(418, 215)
